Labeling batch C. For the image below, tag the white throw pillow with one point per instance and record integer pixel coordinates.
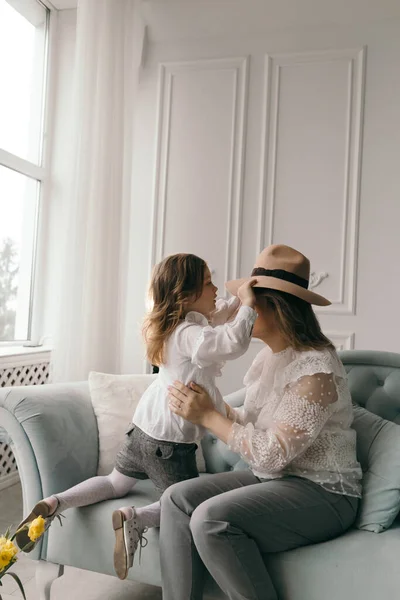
(114, 399)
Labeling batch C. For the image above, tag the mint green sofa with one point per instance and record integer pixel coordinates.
(55, 440)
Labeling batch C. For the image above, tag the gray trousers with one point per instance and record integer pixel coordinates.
(226, 521)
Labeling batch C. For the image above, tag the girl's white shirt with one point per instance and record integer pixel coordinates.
(195, 352)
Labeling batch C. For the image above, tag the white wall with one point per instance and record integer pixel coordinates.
(287, 131)
(286, 137)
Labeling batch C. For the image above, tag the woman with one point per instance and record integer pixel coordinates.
(294, 433)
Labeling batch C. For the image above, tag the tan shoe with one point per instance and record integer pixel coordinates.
(41, 509)
(128, 535)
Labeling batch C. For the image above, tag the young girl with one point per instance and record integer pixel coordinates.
(160, 445)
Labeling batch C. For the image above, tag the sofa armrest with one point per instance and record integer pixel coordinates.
(54, 436)
(26, 462)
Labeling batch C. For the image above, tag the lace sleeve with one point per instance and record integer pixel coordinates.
(305, 407)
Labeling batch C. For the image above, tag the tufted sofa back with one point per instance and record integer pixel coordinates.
(374, 381)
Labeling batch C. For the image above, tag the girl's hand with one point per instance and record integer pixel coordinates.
(246, 294)
(192, 403)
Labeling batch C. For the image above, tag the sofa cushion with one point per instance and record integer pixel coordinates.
(114, 399)
(378, 450)
(357, 565)
(88, 539)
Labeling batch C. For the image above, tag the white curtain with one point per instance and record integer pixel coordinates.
(94, 267)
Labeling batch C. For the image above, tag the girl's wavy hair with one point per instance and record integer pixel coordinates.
(174, 280)
(295, 319)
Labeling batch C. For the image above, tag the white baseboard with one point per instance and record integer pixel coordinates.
(7, 481)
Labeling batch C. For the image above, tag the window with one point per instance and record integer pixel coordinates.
(23, 66)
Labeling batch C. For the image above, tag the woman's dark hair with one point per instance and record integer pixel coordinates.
(295, 319)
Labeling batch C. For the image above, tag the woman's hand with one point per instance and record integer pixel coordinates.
(246, 293)
(192, 403)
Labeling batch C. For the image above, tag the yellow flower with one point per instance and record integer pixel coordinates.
(7, 552)
(36, 529)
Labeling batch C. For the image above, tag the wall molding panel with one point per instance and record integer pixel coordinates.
(168, 76)
(342, 340)
(353, 60)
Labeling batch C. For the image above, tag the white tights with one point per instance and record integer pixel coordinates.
(105, 487)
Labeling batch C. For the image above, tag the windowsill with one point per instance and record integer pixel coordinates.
(21, 350)
(11, 356)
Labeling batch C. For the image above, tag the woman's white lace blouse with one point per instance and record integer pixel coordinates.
(296, 420)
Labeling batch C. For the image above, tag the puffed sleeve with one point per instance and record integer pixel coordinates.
(225, 310)
(208, 345)
(306, 405)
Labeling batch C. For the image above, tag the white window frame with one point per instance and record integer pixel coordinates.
(40, 172)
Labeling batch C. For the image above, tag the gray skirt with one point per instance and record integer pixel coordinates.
(165, 463)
